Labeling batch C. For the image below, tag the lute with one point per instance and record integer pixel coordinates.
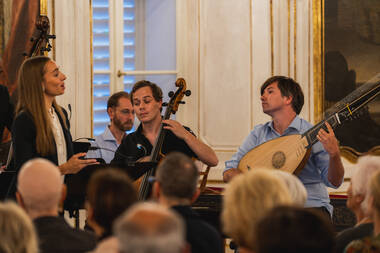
(290, 153)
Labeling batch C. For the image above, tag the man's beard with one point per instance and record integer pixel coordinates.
(123, 127)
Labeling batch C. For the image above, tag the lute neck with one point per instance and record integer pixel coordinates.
(311, 134)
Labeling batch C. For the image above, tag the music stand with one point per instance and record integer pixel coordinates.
(80, 147)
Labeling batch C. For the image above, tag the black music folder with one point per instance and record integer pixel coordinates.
(77, 183)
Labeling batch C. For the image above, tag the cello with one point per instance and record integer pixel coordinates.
(156, 155)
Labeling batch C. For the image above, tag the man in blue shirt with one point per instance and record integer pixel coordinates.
(121, 113)
(282, 98)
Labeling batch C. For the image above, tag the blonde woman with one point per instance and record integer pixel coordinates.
(246, 199)
(370, 244)
(17, 234)
(41, 127)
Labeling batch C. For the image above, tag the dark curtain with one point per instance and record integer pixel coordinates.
(24, 15)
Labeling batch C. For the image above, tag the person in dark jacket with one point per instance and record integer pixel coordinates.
(40, 127)
(109, 193)
(40, 191)
(176, 187)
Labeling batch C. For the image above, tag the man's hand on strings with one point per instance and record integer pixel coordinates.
(176, 128)
(328, 140)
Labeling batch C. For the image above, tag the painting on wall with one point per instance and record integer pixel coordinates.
(351, 54)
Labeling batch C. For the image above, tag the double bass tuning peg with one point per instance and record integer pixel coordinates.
(187, 93)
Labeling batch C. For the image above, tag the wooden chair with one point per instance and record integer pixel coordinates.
(203, 176)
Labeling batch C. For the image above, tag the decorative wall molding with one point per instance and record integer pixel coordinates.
(73, 55)
(226, 51)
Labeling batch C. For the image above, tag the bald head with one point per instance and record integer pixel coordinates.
(150, 227)
(40, 186)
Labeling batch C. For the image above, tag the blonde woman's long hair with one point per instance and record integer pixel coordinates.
(31, 100)
(18, 234)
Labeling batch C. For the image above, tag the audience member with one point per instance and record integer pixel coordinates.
(370, 244)
(150, 228)
(176, 187)
(17, 234)
(296, 188)
(357, 201)
(122, 116)
(294, 230)
(109, 193)
(247, 198)
(39, 192)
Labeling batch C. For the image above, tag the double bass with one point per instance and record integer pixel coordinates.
(156, 155)
(41, 38)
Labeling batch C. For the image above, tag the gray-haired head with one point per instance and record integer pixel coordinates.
(40, 186)
(178, 176)
(296, 189)
(150, 228)
(18, 234)
(364, 169)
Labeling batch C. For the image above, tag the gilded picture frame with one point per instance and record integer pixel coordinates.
(346, 53)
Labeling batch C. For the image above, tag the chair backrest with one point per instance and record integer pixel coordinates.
(203, 179)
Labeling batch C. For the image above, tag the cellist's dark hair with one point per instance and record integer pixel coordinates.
(288, 88)
(156, 90)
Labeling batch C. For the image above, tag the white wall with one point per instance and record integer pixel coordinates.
(73, 48)
(225, 51)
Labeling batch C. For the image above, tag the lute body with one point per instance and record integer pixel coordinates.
(288, 153)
